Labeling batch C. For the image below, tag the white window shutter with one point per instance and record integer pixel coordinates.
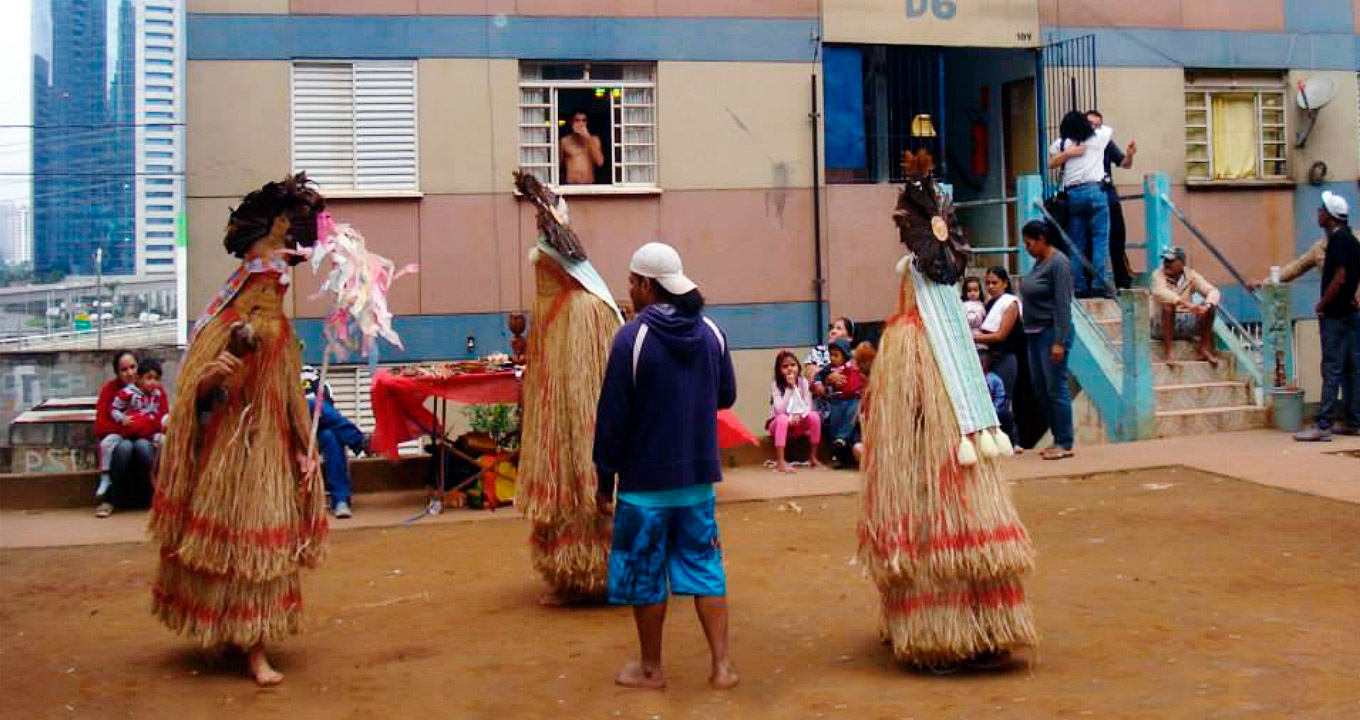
(385, 125)
(323, 123)
(354, 124)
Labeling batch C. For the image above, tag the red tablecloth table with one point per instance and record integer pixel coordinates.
(399, 412)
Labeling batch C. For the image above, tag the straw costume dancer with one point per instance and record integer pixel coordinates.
(939, 535)
(239, 504)
(573, 326)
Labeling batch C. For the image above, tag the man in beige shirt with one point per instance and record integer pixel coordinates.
(1300, 266)
(1179, 317)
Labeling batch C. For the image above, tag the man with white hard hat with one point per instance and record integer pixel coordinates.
(669, 373)
(1338, 324)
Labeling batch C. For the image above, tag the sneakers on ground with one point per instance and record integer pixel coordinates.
(1313, 433)
(1347, 430)
(342, 511)
(435, 507)
(103, 510)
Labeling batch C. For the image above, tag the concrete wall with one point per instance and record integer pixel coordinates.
(27, 379)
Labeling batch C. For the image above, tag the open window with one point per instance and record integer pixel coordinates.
(589, 125)
(1235, 126)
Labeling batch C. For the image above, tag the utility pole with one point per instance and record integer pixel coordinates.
(99, 296)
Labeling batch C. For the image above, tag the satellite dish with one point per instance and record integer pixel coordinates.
(1314, 95)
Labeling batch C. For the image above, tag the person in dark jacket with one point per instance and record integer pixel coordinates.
(656, 436)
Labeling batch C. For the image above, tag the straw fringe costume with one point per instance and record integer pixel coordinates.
(573, 327)
(234, 520)
(940, 535)
(569, 344)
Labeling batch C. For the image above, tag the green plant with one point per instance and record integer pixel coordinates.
(498, 421)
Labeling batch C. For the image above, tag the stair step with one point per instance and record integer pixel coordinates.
(1190, 371)
(1203, 421)
(1101, 309)
(1189, 396)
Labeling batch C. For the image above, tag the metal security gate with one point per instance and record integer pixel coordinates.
(1069, 83)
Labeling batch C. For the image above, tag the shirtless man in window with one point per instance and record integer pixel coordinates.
(581, 152)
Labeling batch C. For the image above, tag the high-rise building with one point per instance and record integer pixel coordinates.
(16, 229)
(107, 118)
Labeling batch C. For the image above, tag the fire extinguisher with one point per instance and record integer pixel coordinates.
(981, 146)
(978, 167)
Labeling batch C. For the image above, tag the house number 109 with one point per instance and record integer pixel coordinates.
(942, 9)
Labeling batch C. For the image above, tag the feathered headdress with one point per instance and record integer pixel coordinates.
(552, 218)
(926, 222)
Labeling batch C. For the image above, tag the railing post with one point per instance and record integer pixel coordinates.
(1029, 193)
(1277, 334)
(1157, 217)
(1138, 409)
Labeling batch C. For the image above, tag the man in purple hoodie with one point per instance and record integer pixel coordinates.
(656, 434)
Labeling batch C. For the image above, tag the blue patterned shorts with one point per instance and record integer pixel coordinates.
(654, 545)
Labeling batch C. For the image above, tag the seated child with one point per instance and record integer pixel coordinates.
(973, 308)
(142, 406)
(839, 386)
(791, 409)
(997, 389)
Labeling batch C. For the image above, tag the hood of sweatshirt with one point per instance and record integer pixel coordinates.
(682, 335)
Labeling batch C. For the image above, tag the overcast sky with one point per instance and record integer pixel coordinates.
(16, 97)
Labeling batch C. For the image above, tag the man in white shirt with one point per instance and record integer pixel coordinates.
(1080, 152)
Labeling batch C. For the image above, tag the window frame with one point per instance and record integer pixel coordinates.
(1207, 84)
(617, 114)
(356, 189)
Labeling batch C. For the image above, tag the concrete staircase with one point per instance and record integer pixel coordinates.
(1193, 397)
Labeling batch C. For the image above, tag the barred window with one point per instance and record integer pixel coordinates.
(591, 124)
(1235, 126)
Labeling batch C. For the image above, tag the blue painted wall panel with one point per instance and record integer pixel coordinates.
(285, 37)
(1146, 47)
(1319, 16)
(444, 337)
(843, 73)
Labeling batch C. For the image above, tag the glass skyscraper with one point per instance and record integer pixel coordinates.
(107, 120)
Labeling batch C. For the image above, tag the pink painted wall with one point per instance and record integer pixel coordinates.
(568, 8)
(1239, 15)
(1254, 229)
(741, 246)
(861, 250)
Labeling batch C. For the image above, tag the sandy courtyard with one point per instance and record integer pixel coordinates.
(1166, 594)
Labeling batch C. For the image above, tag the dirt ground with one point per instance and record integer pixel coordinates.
(1163, 594)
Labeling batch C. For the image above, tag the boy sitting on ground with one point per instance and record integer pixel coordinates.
(839, 385)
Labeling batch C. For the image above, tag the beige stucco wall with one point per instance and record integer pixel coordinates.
(238, 126)
(1147, 105)
(469, 134)
(975, 23)
(1333, 139)
(1308, 359)
(734, 125)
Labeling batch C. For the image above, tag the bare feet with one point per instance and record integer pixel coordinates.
(723, 677)
(783, 467)
(1209, 357)
(265, 675)
(636, 675)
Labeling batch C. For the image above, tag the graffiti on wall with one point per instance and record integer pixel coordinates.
(53, 460)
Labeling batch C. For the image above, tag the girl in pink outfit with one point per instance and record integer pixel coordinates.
(791, 410)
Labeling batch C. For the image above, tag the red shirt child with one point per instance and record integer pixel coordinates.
(141, 407)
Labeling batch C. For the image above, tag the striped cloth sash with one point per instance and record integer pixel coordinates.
(951, 342)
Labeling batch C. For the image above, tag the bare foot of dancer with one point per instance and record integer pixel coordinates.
(784, 467)
(637, 675)
(265, 675)
(723, 677)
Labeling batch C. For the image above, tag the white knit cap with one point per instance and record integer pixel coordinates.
(1336, 205)
(661, 263)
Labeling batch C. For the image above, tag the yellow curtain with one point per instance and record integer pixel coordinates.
(1234, 131)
